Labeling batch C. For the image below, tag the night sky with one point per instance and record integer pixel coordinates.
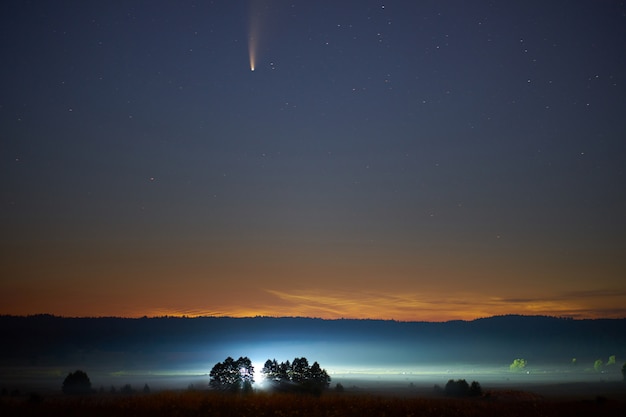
(409, 160)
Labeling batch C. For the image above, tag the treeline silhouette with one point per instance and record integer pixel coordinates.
(234, 376)
(494, 339)
(296, 376)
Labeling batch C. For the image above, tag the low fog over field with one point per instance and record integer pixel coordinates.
(178, 353)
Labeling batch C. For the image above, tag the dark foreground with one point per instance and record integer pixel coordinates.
(196, 403)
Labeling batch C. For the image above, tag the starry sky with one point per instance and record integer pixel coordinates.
(408, 160)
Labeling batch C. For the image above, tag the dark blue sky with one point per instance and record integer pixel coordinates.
(402, 159)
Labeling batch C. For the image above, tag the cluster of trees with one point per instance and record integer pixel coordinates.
(297, 375)
(460, 388)
(232, 375)
(238, 375)
(235, 376)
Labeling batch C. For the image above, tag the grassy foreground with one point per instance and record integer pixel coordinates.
(190, 403)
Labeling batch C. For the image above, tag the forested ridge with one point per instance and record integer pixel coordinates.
(49, 338)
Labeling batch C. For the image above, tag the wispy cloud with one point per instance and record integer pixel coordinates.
(179, 312)
(571, 296)
(410, 306)
(418, 306)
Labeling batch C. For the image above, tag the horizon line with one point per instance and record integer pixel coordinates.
(185, 316)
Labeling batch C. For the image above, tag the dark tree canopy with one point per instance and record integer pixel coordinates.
(475, 389)
(300, 370)
(297, 375)
(232, 375)
(457, 388)
(77, 383)
(460, 388)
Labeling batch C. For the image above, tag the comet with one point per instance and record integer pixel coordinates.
(257, 9)
(252, 51)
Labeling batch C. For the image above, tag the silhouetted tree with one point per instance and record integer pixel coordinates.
(624, 372)
(246, 371)
(318, 379)
(475, 389)
(270, 370)
(77, 383)
(300, 370)
(225, 375)
(458, 388)
(146, 389)
(232, 375)
(284, 371)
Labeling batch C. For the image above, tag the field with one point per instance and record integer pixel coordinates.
(36, 392)
(385, 368)
(500, 402)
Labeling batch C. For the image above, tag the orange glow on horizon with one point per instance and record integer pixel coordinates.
(398, 307)
(276, 281)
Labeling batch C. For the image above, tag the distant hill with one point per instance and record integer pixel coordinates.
(169, 341)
